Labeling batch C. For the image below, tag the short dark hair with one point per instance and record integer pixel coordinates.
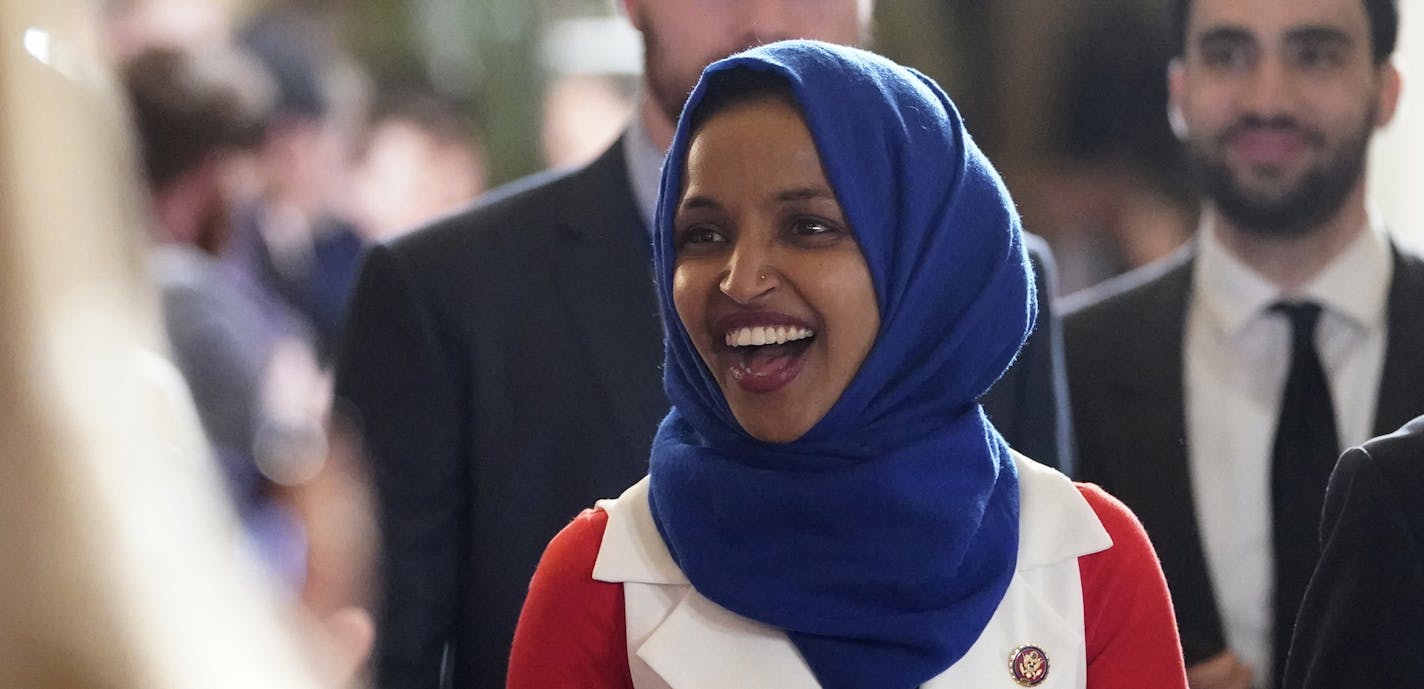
(186, 107)
(736, 86)
(1383, 16)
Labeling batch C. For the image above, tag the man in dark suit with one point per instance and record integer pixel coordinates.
(1213, 391)
(1362, 622)
(504, 363)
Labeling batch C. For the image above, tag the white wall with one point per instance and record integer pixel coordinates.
(1397, 161)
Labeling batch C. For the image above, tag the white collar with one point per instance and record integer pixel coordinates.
(690, 642)
(1355, 284)
(645, 167)
(1055, 524)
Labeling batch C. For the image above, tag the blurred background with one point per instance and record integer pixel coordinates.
(1066, 96)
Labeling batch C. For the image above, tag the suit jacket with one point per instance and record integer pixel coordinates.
(504, 366)
(1362, 621)
(1125, 367)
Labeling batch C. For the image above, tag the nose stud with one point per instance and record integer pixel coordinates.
(762, 276)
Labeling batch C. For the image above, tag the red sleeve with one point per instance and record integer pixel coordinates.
(573, 630)
(1131, 630)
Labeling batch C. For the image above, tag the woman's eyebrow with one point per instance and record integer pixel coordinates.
(698, 201)
(804, 194)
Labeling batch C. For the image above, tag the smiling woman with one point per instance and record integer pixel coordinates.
(842, 276)
(769, 280)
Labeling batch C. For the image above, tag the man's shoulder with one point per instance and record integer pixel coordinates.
(527, 214)
(1115, 305)
(1408, 264)
(1400, 452)
(1389, 465)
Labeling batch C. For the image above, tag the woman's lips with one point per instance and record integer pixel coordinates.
(767, 368)
(763, 352)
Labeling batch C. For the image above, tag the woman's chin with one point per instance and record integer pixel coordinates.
(781, 422)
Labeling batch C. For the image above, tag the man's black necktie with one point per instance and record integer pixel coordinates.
(1304, 454)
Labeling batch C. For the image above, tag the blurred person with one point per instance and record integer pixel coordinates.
(503, 363)
(420, 160)
(125, 566)
(827, 504)
(259, 393)
(1214, 391)
(1361, 624)
(134, 26)
(243, 354)
(594, 67)
(582, 114)
(295, 237)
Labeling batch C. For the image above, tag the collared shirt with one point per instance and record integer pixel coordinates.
(1237, 353)
(645, 168)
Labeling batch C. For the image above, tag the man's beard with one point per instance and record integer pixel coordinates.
(670, 90)
(1294, 211)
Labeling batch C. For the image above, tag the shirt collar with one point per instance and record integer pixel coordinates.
(1355, 284)
(645, 168)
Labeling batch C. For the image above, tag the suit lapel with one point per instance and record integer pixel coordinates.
(1401, 391)
(1192, 591)
(602, 267)
(1153, 407)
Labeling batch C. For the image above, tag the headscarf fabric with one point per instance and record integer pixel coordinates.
(883, 539)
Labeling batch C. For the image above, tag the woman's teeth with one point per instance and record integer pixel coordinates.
(765, 335)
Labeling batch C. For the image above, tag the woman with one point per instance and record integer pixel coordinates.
(842, 277)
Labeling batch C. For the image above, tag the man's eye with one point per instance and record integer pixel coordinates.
(1317, 57)
(1226, 56)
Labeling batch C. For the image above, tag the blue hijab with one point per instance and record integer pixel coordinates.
(883, 539)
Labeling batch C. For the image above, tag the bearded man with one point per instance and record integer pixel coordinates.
(1213, 392)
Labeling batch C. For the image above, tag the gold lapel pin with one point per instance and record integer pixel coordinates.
(1029, 666)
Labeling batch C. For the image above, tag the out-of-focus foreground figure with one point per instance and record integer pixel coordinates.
(124, 565)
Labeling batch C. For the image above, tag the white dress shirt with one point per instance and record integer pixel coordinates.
(1237, 353)
(645, 168)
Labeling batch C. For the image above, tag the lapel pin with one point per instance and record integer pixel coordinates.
(1029, 666)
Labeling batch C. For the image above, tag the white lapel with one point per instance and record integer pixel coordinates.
(1043, 606)
(677, 639)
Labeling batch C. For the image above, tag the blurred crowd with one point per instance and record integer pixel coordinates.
(271, 162)
(271, 159)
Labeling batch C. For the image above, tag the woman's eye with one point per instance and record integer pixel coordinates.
(700, 235)
(811, 226)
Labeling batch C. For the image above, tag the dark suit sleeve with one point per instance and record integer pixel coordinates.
(1029, 405)
(1362, 621)
(399, 384)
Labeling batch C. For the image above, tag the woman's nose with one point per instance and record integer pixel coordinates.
(749, 275)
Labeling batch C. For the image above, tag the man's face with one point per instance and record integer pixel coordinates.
(1278, 100)
(681, 37)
